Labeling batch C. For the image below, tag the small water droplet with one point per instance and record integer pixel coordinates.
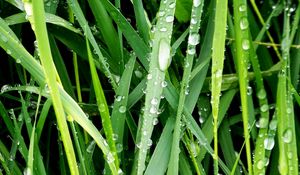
(115, 137)
(262, 123)
(119, 147)
(149, 76)
(154, 101)
(242, 8)
(153, 110)
(287, 136)
(273, 124)
(260, 164)
(138, 73)
(4, 38)
(170, 18)
(161, 13)
(264, 108)
(244, 23)
(249, 90)
(191, 51)
(245, 44)
(155, 121)
(261, 94)
(122, 109)
(163, 29)
(119, 98)
(91, 147)
(102, 107)
(110, 158)
(164, 84)
(172, 5)
(5, 88)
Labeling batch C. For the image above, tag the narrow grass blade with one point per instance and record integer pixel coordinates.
(112, 157)
(217, 69)
(193, 40)
(36, 16)
(159, 63)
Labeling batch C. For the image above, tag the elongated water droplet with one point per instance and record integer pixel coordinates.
(244, 23)
(261, 94)
(245, 44)
(242, 8)
(269, 143)
(164, 58)
(172, 5)
(170, 18)
(196, 3)
(154, 101)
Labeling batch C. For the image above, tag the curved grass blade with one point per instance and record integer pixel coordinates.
(159, 63)
(50, 18)
(74, 5)
(10, 43)
(193, 40)
(242, 54)
(36, 16)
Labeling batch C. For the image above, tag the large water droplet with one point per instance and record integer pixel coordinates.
(193, 39)
(244, 23)
(264, 108)
(153, 110)
(5, 88)
(287, 136)
(196, 3)
(269, 143)
(155, 121)
(138, 74)
(164, 58)
(273, 124)
(27, 171)
(262, 123)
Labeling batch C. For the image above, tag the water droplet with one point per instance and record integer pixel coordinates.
(242, 8)
(289, 110)
(260, 164)
(153, 110)
(164, 84)
(269, 143)
(154, 101)
(119, 98)
(244, 23)
(163, 29)
(273, 124)
(161, 13)
(5, 88)
(191, 51)
(149, 142)
(122, 109)
(8, 52)
(120, 172)
(170, 18)
(149, 76)
(110, 158)
(261, 94)
(91, 147)
(196, 3)
(287, 136)
(119, 147)
(249, 90)
(245, 44)
(193, 39)
(155, 121)
(264, 108)
(18, 61)
(172, 5)
(193, 21)
(27, 171)
(164, 58)
(138, 74)
(262, 123)
(102, 107)
(115, 137)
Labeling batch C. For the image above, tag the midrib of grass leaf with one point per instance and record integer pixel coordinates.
(36, 16)
(217, 69)
(242, 55)
(159, 62)
(288, 162)
(191, 50)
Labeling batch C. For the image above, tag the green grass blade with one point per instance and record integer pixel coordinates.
(159, 63)
(36, 16)
(242, 54)
(112, 157)
(217, 69)
(193, 40)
